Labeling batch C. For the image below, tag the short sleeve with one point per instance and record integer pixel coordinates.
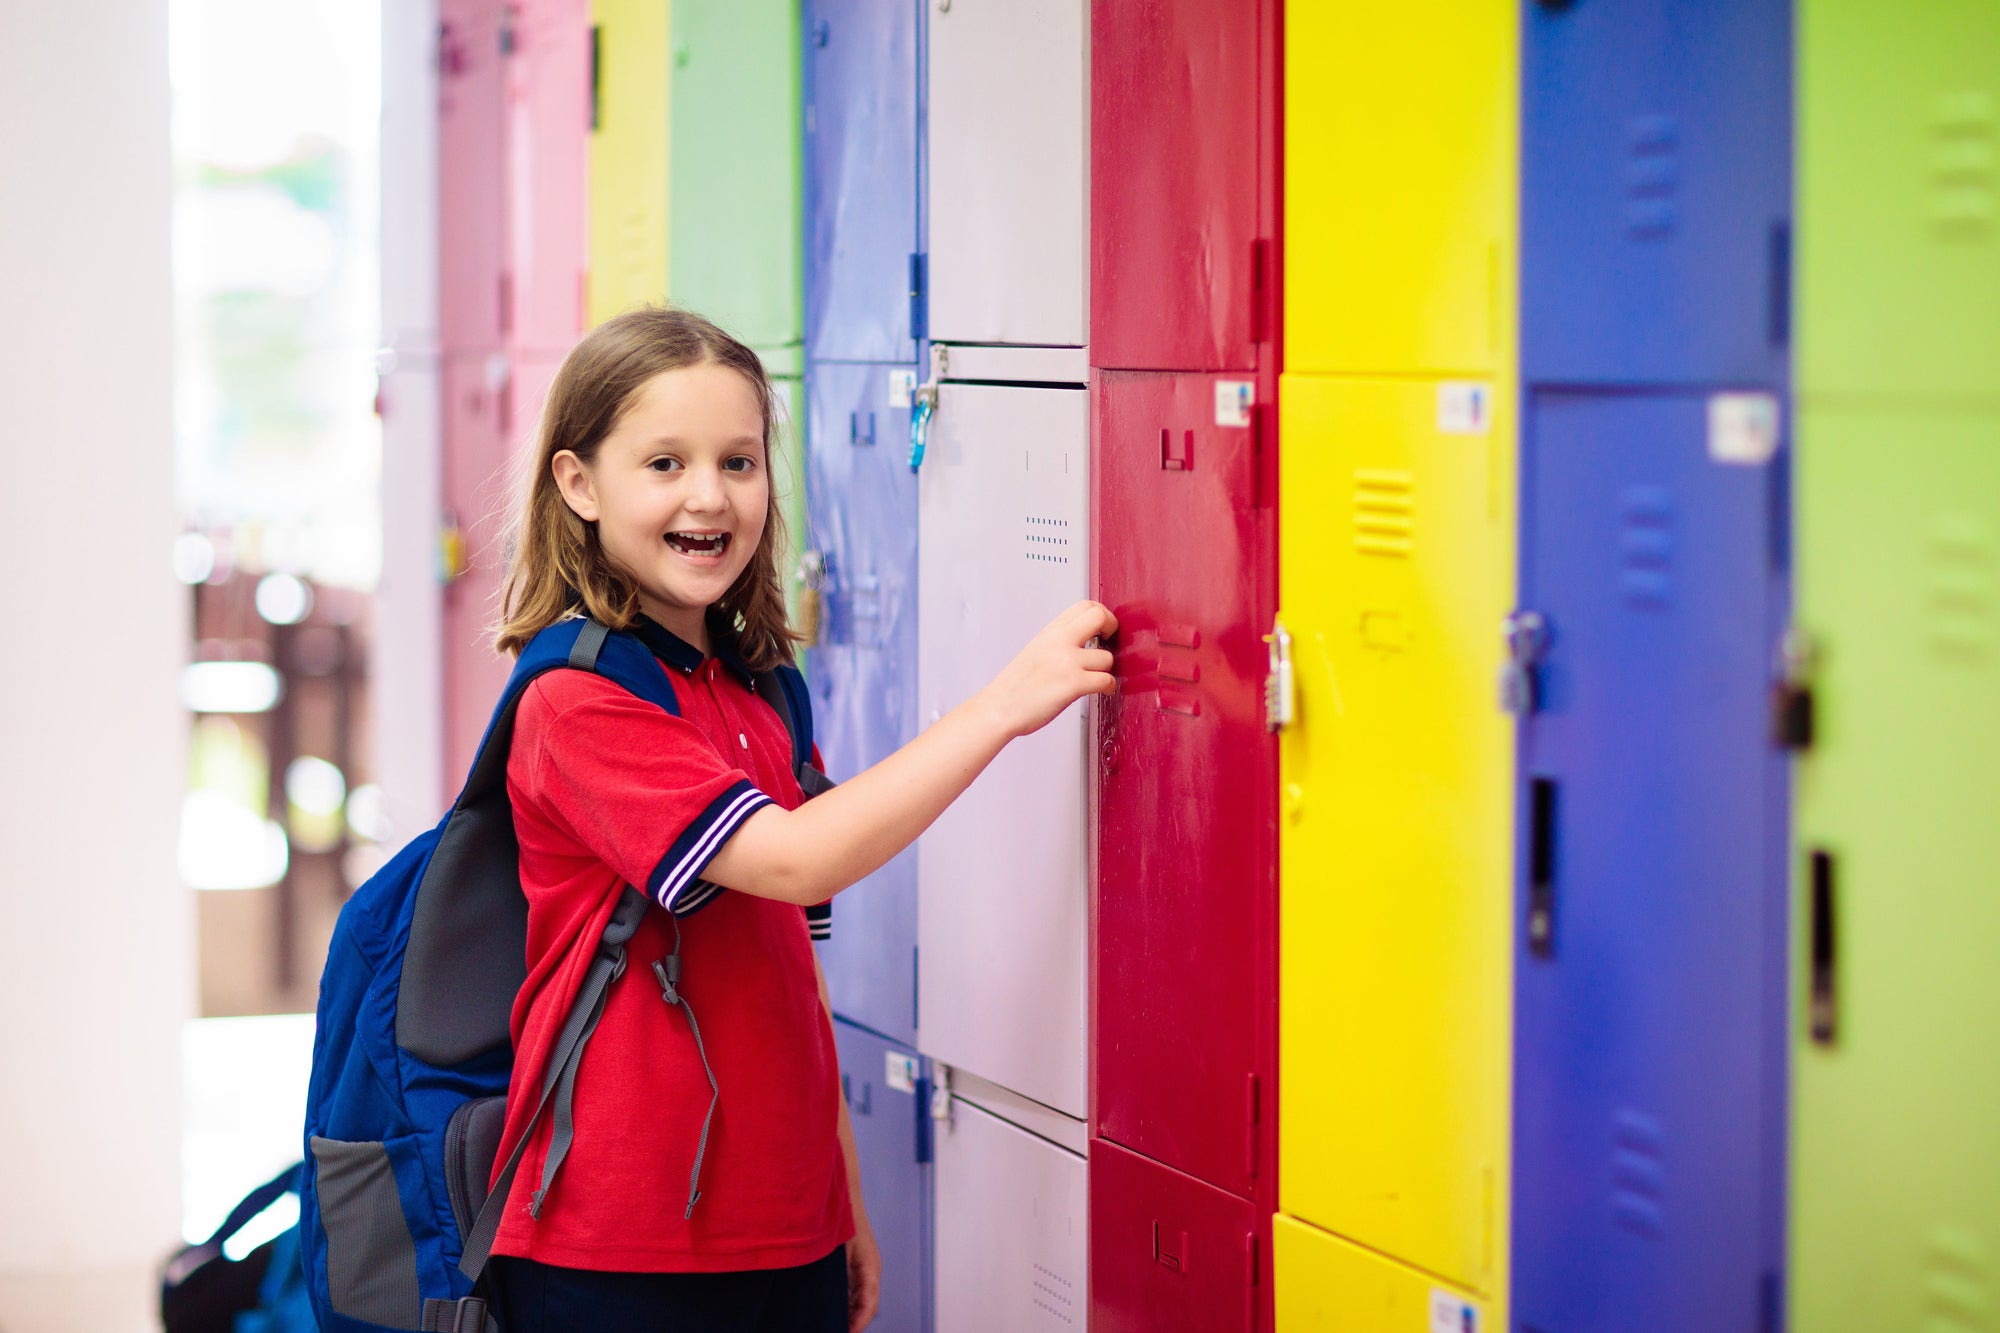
(819, 920)
(642, 790)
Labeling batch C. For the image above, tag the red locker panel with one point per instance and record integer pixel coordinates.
(1183, 172)
(1169, 1253)
(470, 175)
(1185, 916)
(548, 173)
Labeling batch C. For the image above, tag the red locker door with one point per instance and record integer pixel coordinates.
(1183, 170)
(548, 172)
(470, 175)
(1168, 1252)
(1186, 893)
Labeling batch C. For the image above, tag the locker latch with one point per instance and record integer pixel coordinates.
(1280, 687)
(1526, 634)
(941, 1093)
(812, 578)
(1791, 694)
(924, 406)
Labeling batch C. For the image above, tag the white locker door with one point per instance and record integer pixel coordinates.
(1003, 896)
(1009, 183)
(1012, 1229)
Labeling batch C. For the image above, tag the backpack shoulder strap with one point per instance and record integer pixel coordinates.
(785, 688)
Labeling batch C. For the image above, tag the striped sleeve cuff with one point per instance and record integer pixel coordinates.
(675, 883)
(819, 920)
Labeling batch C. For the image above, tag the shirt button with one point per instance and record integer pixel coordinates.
(743, 740)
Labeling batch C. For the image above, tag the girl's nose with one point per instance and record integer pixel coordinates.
(705, 490)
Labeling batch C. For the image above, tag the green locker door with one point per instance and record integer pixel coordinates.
(1896, 1180)
(734, 200)
(1899, 198)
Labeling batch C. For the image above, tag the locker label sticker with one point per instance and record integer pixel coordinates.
(1449, 1314)
(1742, 428)
(900, 1071)
(1233, 401)
(902, 387)
(1464, 408)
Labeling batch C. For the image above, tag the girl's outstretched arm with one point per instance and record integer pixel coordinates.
(809, 854)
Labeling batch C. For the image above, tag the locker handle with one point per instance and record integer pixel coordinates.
(1176, 459)
(1822, 1009)
(1542, 867)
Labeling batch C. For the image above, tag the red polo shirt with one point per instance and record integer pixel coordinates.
(609, 791)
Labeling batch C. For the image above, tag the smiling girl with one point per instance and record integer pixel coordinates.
(651, 510)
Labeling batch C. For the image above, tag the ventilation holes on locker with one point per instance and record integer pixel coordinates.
(1054, 1294)
(1048, 541)
(1385, 512)
(1652, 177)
(1638, 1172)
(1958, 1280)
(1646, 547)
(1965, 164)
(1960, 601)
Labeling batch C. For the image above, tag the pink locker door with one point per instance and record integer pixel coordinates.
(1168, 1252)
(471, 550)
(1183, 182)
(547, 173)
(1185, 995)
(470, 120)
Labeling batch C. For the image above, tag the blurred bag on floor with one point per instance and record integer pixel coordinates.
(203, 1290)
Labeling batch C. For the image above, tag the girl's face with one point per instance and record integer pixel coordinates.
(679, 491)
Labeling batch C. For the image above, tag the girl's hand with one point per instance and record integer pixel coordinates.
(1059, 666)
(864, 1278)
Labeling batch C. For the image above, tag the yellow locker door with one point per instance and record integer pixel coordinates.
(1325, 1285)
(628, 157)
(1400, 133)
(1396, 570)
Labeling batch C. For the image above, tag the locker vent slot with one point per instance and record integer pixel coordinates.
(1055, 1295)
(1646, 547)
(1638, 1172)
(1962, 602)
(1652, 177)
(1385, 512)
(1958, 1282)
(1965, 164)
(1048, 541)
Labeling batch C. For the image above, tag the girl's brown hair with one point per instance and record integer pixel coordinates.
(558, 567)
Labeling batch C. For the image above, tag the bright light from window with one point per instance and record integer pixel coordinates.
(283, 599)
(244, 1096)
(226, 846)
(367, 814)
(194, 557)
(315, 786)
(229, 687)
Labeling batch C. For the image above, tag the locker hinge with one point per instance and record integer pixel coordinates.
(596, 75)
(508, 17)
(1780, 296)
(924, 405)
(450, 54)
(1260, 291)
(451, 560)
(1252, 1122)
(1791, 693)
(1526, 635)
(923, 1119)
(1280, 687)
(916, 990)
(506, 303)
(919, 296)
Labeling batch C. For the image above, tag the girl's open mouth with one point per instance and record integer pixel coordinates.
(697, 543)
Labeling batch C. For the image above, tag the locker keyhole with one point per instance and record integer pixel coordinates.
(1176, 455)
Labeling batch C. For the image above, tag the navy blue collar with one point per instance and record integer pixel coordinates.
(678, 653)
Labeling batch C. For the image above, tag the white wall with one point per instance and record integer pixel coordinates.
(96, 932)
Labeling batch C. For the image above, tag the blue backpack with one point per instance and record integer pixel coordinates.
(412, 1055)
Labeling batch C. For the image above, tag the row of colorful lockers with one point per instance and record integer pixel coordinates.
(1534, 872)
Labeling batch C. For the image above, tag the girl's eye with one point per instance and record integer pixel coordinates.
(741, 463)
(665, 464)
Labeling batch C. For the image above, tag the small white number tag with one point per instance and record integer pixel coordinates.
(1449, 1314)
(1742, 428)
(1233, 401)
(1464, 408)
(901, 1071)
(902, 385)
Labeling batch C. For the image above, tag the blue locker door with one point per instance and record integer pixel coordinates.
(863, 669)
(887, 1091)
(1655, 191)
(861, 177)
(1650, 1013)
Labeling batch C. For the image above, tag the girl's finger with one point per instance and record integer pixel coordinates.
(1097, 659)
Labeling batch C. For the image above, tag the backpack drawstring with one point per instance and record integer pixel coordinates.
(668, 971)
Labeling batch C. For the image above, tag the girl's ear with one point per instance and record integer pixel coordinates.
(573, 479)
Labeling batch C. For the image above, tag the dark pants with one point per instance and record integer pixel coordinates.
(541, 1298)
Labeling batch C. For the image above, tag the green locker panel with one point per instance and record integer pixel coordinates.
(1896, 1160)
(788, 478)
(1899, 198)
(734, 197)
